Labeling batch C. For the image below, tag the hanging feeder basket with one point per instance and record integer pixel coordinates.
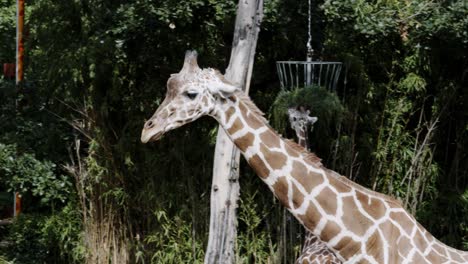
(294, 74)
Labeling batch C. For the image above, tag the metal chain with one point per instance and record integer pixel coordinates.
(310, 50)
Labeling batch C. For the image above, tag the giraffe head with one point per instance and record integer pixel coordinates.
(300, 119)
(191, 94)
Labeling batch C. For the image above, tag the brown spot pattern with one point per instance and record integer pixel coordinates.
(419, 241)
(245, 141)
(373, 206)
(429, 237)
(254, 122)
(275, 159)
(270, 139)
(374, 247)
(327, 200)
(330, 230)
(298, 197)
(433, 257)
(417, 258)
(236, 126)
(173, 87)
(338, 185)
(291, 151)
(404, 221)
(280, 189)
(354, 220)
(438, 248)
(404, 245)
(307, 179)
(311, 217)
(259, 166)
(455, 256)
(231, 110)
(390, 232)
(348, 247)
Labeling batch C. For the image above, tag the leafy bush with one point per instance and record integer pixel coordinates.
(25, 174)
(3, 260)
(38, 238)
(26, 242)
(173, 241)
(254, 244)
(321, 103)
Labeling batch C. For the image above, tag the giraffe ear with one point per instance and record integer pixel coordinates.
(222, 89)
(313, 119)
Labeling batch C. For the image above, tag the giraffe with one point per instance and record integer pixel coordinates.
(300, 121)
(357, 224)
(314, 251)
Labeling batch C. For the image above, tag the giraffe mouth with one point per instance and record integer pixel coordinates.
(156, 137)
(148, 136)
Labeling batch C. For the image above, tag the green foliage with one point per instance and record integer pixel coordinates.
(254, 245)
(25, 174)
(38, 238)
(421, 18)
(7, 31)
(173, 242)
(3, 260)
(63, 231)
(27, 243)
(322, 103)
(464, 225)
(42, 238)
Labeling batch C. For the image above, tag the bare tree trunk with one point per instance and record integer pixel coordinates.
(225, 186)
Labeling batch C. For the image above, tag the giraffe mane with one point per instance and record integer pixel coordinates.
(363, 189)
(309, 156)
(251, 105)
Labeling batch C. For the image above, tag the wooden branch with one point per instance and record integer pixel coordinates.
(225, 185)
(6, 221)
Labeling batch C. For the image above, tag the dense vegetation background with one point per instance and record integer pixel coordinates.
(95, 69)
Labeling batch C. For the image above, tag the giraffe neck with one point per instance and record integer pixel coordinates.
(359, 225)
(302, 138)
(291, 174)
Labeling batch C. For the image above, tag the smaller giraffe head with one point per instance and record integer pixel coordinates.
(300, 119)
(191, 94)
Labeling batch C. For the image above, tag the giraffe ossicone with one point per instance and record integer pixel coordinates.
(357, 224)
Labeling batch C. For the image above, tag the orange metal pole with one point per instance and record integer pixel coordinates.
(17, 209)
(19, 73)
(19, 41)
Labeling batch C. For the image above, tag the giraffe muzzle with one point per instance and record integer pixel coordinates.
(152, 131)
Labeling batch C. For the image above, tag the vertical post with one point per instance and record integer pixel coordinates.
(19, 41)
(17, 205)
(19, 75)
(225, 185)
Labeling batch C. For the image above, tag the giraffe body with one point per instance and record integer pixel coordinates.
(357, 224)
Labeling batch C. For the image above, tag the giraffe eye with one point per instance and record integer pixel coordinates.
(191, 95)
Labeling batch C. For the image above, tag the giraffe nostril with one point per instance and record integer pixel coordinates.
(149, 124)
